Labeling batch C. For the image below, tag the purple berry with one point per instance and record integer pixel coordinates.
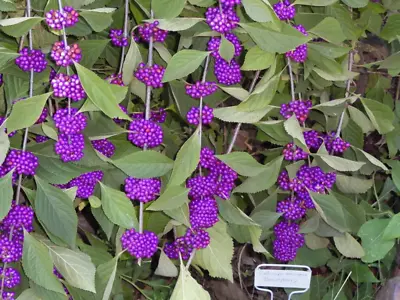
(7, 295)
(222, 21)
(70, 147)
(200, 89)
(115, 79)
(65, 86)
(104, 146)
(85, 183)
(31, 59)
(52, 74)
(201, 187)
(294, 153)
(56, 19)
(24, 162)
(230, 2)
(12, 278)
(198, 239)
(285, 10)
(41, 139)
(70, 122)
(158, 116)
(65, 55)
(19, 217)
(147, 30)
(10, 251)
(178, 248)
(291, 209)
(193, 115)
(145, 133)
(203, 213)
(214, 43)
(140, 245)
(335, 144)
(150, 76)
(1, 79)
(11, 134)
(143, 190)
(117, 38)
(118, 120)
(299, 54)
(300, 108)
(227, 73)
(313, 139)
(71, 16)
(207, 158)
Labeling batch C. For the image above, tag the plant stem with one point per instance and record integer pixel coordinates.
(237, 129)
(350, 65)
(292, 90)
(125, 35)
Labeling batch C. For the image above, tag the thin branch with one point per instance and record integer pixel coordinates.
(125, 35)
(292, 90)
(237, 129)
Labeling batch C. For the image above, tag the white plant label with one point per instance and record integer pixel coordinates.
(282, 278)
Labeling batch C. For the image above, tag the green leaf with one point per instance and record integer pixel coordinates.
(7, 5)
(263, 180)
(226, 49)
(183, 63)
(94, 202)
(104, 222)
(353, 184)
(330, 210)
(28, 294)
(348, 246)
(315, 2)
(188, 288)
(91, 51)
(294, 129)
(167, 9)
(118, 207)
(362, 273)
(132, 59)
(186, 160)
(99, 19)
(173, 197)
(271, 40)
(178, 24)
(329, 29)
(233, 114)
(18, 27)
(265, 218)
(341, 164)
(30, 108)
(392, 230)
(396, 173)
(312, 258)
(258, 10)
(100, 93)
(275, 129)
(144, 164)
(329, 50)
(372, 160)
(105, 277)
(236, 92)
(76, 267)
(38, 265)
(6, 194)
(371, 234)
(43, 293)
(360, 119)
(257, 59)
(356, 3)
(166, 267)
(234, 215)
(180, 214)
(55, 210)
(243, 163)
(217, 257)
(6, 55)
(380, 115)
(163, 52)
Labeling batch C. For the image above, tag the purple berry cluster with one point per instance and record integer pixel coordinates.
(300, 53)
(65, 55)
(31, 59)
(287, 241)
(294, 153)
(115, 79)
(148, 30)
(70, 122)
(59, 276)
(65, 86)
(203, 212)
(11, 134)
(291, 209)
(104, 146)
(230, 3)
(41, 139)
(214, 43)
(158, 116)
(85, 183)
(227, 73)
(140, 245)
(300, 108)
(143, 190)
(12, 278)
(145, 133)
(56, 19)
(183, 246)
(284, 10)
(117, 38)
(18, 218)
(222, 21)
(23, 162)
(193, 115)
(334, 145)
(200, 90)
(70, 147)
(150, 76)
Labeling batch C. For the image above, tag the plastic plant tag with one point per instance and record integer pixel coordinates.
(282, 276)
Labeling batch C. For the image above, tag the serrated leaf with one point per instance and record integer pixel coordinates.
(380, 115)
(167, 9)
(217, 257)
(330, 210)
(265, 218)
(76, 267)
(371, 234)
(186, 160)
(360, 119)
(6, 55)
(132, 59)
(276, 130)
(392, 230)
(234, 215)
(6, 194)
(263, 180)
(144, 164)
(38, 266)
(98, 19)
(118, 207)
(270, 40)
(348, 246)
(226, 49)
(100, 93)
(30, 108)
(341, 164)
(166, 267)
(352, 184)
(294, 129)
(356, 3)
(91, 51)
(232, 114)
(372, 160)
(105, 277)
(55, 210)
(390, 31)
(188, 288)
(354, 214)
(183, 63)
(257, 59)
(18, 27)
(243, 163)
(329, 29)
(178, 24)
(258, 10)
(173, 197)
(28, 294)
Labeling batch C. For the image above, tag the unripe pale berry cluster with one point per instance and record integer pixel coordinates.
(115, 79)
(117, 38)
(56, 19)
(31, 59)
(65, 55)
(68, 86)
